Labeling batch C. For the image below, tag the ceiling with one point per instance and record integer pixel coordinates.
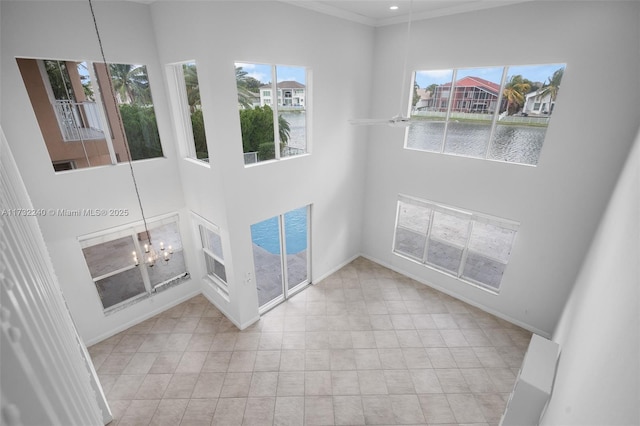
(377, 12)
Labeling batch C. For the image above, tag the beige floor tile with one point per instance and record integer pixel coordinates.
(191, 362)
(115, 363)
(139, 412)
(169, 412)
(153, 386)
(229, 412)
(406, 409)
(345, 383)
(166, 362)
(318, 410)
(392, 359)
(200, 342)
(367, 359)
(365, 345)
(236, 385)
(441, 358)
(372, 382)
(425, 381)
(378, 410)
(125, 387)
(342, 359)
(199, 412)
(399, 382)
(216, 362)
(259, 411)
(181, 386)
(318, 359)
(416, 358)
(348, 410)
(263, 383)
(317, 383)
(489, 357)
(465, 408)
(435, 408)
(208, 386)
(291, 383)
(292, 360)
(242, 361)
(478, 380)
(289, 411)
(452, 380)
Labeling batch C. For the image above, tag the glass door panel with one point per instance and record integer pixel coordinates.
(281, 244)
(267, 260)
(296, 243)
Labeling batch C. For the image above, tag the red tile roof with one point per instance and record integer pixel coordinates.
(286, 85)
(471, 81)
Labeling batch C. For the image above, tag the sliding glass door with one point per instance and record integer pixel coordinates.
(281, 256)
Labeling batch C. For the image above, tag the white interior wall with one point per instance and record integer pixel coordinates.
(215, 34)
(559, 202)
(598, 375)
(234, 197)
(64, 30)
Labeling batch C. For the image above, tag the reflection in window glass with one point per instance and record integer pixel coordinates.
(498, 113)
(82, 119)
(213, 256)
(192, 118)
(469, 246)
(116, 271)
(265, 118)
(431, 95)
(530, 93)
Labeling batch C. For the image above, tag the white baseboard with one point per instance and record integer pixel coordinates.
(337, 268)
(471, 302)
(141, 318)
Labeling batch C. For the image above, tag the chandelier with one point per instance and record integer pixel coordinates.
(150, 256)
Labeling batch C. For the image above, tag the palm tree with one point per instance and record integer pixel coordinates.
(130, 83)
(193, 87)
(514, 92)
(245, 95)
(552, 87)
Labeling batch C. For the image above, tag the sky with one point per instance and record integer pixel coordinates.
(262, 72)
(532, 72)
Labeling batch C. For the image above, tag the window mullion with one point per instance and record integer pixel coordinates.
(106, 126)
(276, 124)
(427, 236)
(449, 103)
(465, 250)
(283, 256)
(496, 113)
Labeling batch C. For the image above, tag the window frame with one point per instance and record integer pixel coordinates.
(200, 226)
(132, 230)
(180, 108)
(450, 95)
(98, 115)
(473, 217)
(268, 100)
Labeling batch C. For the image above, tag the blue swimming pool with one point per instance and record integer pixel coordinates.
(266, 234)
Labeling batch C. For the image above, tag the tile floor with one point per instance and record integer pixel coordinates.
(364, 346)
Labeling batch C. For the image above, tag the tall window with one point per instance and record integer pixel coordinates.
(189, 111)
(495, 113)
(116, 262)
(211, 243)
(83, 122)
(272, 128)
(470, 246)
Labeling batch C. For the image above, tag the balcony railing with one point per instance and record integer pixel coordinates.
(78, 120)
